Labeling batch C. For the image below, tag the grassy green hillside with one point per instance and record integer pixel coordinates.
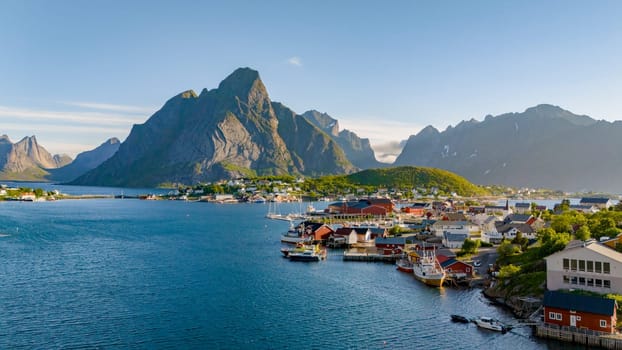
(408, 177)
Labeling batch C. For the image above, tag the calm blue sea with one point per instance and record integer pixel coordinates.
(118, 274)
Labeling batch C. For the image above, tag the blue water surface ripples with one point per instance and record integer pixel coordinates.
(131, 274)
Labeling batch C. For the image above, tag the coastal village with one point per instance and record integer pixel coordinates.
(453, 242)
(579, 297)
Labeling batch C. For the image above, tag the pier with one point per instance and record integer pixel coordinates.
(369, 257)
(580, 336)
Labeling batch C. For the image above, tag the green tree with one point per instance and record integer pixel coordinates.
(583, 233)
(506, 248)
(508, 271)
(520, 241)
(470, 246)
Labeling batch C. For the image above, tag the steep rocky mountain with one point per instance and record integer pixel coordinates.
(233, 130)
(545, 146)
(358, 150)
(85, 161)
(26, 160)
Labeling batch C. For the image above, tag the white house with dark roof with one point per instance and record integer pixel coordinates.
(587, 266)
(454, 240)
(599, 202)
(522, 208)
(442, 226)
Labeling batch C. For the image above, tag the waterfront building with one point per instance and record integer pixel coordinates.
(587, 265)
(580, 311)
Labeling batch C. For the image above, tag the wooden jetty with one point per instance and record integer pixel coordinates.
(371, 257)
(580, 336)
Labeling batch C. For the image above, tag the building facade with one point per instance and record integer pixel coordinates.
(587, 266)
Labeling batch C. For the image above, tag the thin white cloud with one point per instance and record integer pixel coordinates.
(30, 129)
(112, 107)
(294, 61)
(98, 118)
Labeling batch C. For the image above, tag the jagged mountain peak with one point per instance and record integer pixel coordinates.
(428, 131)
(241, 82)
(323, 121)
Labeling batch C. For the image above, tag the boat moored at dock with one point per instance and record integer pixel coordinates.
(491, 324)
(428, 270)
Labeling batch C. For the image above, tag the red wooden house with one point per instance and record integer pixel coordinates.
(319, 232)
(455, 268)
(580, 311)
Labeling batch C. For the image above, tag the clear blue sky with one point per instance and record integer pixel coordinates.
(75, 73)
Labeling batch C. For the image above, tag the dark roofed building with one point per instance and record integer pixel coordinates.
(599, 202)
(580, 311)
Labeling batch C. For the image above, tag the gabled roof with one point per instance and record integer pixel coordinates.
(391, 240)
(599, 200)
(592, 245)
(450, 223)
(451, 261)
(523, 228)
(455, 237)
(522, 205)
(517, 218)
(583, 303)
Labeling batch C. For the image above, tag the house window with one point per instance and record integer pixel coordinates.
(582, 281)
(607, 283)
(590, 282)
(598, 268)
(606, 268)
(573, 280)
(603, 323)
(581, 265)
(558, 316)
(590, 266)
(573, 264)
(551, 315)
(566, 280)
(599, 283)
(566, 264)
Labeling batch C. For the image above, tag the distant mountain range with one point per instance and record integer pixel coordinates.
(545, 146)
(237, 130)
(26, 160)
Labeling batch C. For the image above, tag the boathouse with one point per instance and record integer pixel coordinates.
(455, 268)
(390, 245)
(580, 311)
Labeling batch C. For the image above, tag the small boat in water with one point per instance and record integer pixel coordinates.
(308, 253)
(491, 324)
(460, 319)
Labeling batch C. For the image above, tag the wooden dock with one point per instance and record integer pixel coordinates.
(370, 257)
(580, 336)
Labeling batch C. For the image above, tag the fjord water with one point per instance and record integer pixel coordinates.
(111, 273)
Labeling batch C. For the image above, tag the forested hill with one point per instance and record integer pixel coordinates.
(408, 177)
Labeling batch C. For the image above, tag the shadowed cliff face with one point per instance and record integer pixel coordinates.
(545, 146)
(226, 132)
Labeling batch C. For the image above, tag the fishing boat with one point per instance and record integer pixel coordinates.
(294, 234)
(309, 253)
(459, 318)
(428, 270)
(404, 264)
(491, 324)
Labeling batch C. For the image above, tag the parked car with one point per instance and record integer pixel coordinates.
(477, 263)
